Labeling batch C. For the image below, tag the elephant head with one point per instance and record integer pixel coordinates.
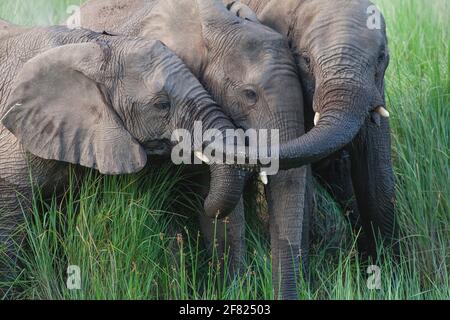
(250, 71)
(109, 103)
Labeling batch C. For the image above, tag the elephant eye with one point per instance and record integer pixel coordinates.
(304, 61)
(251, 96)
(381, 56)
(164, 105)
(307, 60)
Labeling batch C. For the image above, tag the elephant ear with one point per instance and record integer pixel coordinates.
(60, 112)
(242, 11)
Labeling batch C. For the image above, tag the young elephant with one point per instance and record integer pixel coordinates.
(95, 100)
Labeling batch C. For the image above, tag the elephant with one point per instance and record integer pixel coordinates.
(249, 70)
(341, 50)
(97, 101)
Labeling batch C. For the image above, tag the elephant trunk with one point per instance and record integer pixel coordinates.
(226, 182)
(343, 109)
(225, 190)
(374, 186)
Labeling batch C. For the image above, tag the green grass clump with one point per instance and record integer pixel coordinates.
(129, 243)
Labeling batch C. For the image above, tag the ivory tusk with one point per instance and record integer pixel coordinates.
(382, 112)
(201, 156)
(263, 177)
(316, 118)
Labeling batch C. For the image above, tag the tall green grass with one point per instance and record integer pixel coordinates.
(130, 241)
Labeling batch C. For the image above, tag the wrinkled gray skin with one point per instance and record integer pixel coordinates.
(342, 64)
(249, 70)
(93, 100)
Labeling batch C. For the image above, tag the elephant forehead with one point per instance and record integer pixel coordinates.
(343, 31)
(345, 15)
(255, 37)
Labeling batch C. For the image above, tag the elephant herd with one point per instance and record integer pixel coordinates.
(109, 95)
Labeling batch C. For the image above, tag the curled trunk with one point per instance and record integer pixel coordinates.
(227, 182)
(225, 190)
(343, 110)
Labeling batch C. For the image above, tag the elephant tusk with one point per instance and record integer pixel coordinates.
(263, 177)
(382, 112)
(316, 118)
(201, 156)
